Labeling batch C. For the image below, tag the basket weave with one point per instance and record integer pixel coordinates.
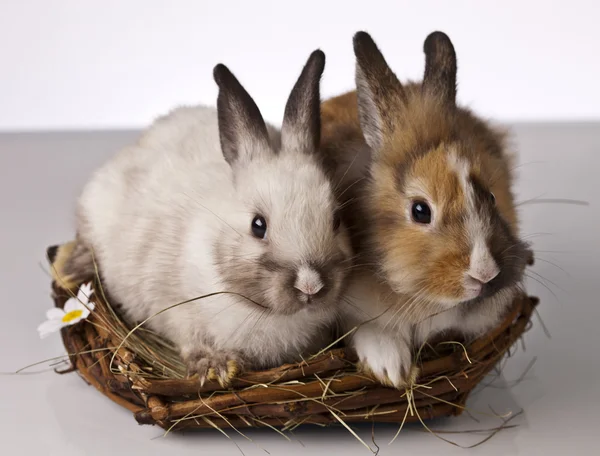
(321, 390)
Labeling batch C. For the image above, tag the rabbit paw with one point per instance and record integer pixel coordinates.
(59, 257)
(220, 366)
(386, 358)
(71, 264)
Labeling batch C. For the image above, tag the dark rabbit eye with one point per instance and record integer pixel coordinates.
(336, 221)
(421, 212)
(259, 227)
(493, 198)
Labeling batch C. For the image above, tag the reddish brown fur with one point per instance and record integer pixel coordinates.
(420, 127)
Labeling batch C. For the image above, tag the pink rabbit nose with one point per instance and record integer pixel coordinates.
(483, 267)
(484, 275)
(308, 281)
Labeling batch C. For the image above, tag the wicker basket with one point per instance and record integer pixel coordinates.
(324, 389)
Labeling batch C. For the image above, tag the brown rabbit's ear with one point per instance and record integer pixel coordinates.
(440, 68)
(242, 130)
(380, 94)
(301, 128)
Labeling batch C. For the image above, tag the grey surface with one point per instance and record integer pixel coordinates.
(44, 413)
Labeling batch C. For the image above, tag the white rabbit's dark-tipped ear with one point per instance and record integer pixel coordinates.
(242, 129)
(380, 94)
(440, 68)
(301, 128)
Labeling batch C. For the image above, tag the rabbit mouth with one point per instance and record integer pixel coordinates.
(507, 283)
(512, 262)
(504, 286)
(295, 303)
(500, 298)
(493, 292)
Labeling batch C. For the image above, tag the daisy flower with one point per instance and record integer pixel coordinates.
(75, 310)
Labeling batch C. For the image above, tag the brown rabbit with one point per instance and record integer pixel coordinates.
(426, 191)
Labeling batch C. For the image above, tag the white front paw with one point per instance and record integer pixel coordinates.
(211, 364)
(387, 357)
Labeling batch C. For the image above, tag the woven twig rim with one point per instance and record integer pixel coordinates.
(320, 390)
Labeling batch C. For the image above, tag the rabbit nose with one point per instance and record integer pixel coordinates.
(485, 277)
(308, 281)
(484, 274)
(483, 267)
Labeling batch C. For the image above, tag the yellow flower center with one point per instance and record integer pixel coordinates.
(73, 315)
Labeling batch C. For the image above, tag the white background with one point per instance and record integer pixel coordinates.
(70, 64)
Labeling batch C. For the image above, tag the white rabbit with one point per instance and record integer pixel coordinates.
(215, 201)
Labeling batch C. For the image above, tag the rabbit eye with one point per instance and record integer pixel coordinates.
(259, 227)
(336, 221)
(421, 212)
(493, 198)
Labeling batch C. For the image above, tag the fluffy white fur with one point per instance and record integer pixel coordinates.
(155, 212)
(386, 336)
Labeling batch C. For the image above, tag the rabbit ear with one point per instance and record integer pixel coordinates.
(242, 130)
(380, 94)
(301, 128)
(440, 68)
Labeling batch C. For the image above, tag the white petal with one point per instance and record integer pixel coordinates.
(91, 306)
(48, 327)
(71, 305)
(87, 288)
(84, 314)
(55, 314)
(84, 293)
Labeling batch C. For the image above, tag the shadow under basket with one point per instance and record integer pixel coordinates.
(324, 389)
